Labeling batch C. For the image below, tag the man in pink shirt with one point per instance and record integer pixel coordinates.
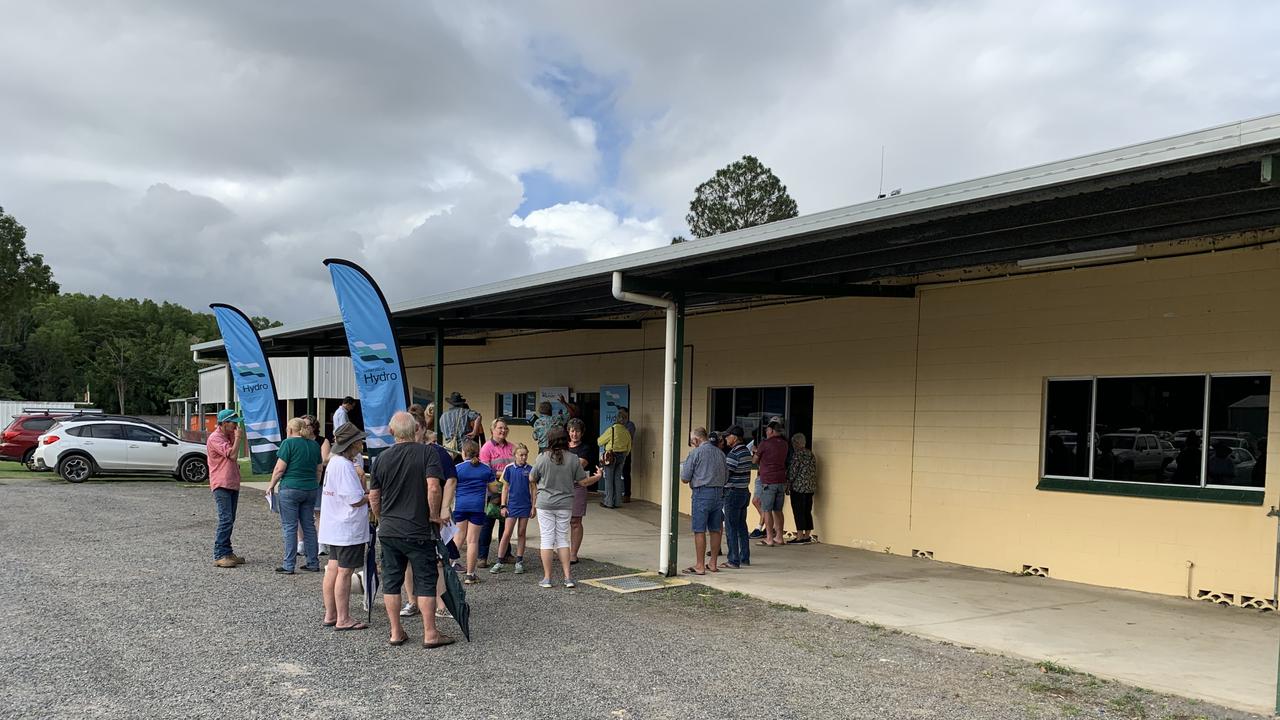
(224, 479)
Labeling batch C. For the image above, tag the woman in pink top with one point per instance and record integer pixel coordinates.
(497, 453)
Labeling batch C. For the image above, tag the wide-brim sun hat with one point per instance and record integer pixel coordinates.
(456, 399)
(344, 436)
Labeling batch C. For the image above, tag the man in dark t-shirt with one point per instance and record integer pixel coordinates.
(406, 497)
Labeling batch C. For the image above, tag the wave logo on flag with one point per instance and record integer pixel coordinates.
(373, 352)
(249, 370)
(375, 355)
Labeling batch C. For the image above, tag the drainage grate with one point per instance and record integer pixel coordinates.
(1035, 571)
(637, 582)
(925, 554)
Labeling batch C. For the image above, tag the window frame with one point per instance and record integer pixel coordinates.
(711, 404)
(1205, 491)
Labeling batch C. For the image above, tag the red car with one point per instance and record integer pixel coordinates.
(18, 441)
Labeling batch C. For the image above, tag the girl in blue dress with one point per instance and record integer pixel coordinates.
(517, 507)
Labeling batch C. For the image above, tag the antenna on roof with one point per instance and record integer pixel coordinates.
(880, 192)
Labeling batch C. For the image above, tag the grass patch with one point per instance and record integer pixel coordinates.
(1049, 666)
(788, 608)
(1131, 705)
(737, 595)
(1047, 688)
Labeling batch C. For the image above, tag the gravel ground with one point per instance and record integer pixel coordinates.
(113, 609)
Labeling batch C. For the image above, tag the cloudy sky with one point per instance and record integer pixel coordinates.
(218, 151)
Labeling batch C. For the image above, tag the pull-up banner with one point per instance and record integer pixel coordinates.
(375, 354)
(254, 384)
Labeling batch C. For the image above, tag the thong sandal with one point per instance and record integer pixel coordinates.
(329, 624)
(691, 570)
(444, 640)
(357, 626)
(397, 643)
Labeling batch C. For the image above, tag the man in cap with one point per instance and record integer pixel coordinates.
(406, 496)
(222, 450)
(704, 470)
(457, 424)
(737, 495)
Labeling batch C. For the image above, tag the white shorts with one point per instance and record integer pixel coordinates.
(554, 526)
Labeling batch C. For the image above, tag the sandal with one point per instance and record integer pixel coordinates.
(397, 643)
(357, 626)
(328, 623)
(444, 640)
(691, 570)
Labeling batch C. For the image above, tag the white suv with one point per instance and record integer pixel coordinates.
(81, 448)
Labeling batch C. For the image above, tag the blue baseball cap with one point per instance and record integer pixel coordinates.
(228, 415)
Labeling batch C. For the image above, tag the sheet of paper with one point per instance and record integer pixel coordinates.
(447, 533)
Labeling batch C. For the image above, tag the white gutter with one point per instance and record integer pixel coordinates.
(668, 414)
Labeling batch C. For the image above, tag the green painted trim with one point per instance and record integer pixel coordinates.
(1159, 492)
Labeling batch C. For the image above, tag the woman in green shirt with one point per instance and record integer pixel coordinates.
(297, 473)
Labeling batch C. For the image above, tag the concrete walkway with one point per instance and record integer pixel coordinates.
(1194, 649)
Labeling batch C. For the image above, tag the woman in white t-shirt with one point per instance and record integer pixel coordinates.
(344, 526)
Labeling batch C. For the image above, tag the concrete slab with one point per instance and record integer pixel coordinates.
(1190, 648)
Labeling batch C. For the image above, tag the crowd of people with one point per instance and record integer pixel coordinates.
(442, 479)
(718, 472)
(438, 493)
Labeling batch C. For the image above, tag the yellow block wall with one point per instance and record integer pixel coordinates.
(927, 412)
(985, 351)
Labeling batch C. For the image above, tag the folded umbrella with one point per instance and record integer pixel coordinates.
(369, 578)
(455, 598)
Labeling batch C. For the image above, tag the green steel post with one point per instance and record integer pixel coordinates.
(311, 381)
(673, 482)
(439, 382)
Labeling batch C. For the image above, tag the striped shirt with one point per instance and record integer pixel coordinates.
(738, 462)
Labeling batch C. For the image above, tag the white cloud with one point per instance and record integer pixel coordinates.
(596, 231)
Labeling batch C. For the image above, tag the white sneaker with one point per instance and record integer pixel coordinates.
(495, 568)
(409, 610)
(519, 568)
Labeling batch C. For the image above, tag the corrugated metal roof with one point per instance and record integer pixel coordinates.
(1200, 144)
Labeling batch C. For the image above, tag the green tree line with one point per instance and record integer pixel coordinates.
(127, 355)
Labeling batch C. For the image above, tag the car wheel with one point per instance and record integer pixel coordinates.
(75, 468)
(194, 470)
(29, 459)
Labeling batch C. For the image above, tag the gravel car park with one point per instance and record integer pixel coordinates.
(119, 615)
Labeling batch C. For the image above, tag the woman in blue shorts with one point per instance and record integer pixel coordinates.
(474, 478)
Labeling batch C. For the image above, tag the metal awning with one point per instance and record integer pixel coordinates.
(1207, 182)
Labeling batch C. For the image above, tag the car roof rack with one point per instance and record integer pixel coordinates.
(104, 416)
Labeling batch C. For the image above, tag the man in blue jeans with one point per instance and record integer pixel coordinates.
(737, 496)
(704, 470)
(224, 480)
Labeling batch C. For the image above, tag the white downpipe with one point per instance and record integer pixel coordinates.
(668, 411)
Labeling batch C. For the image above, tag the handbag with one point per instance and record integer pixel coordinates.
(606, 458)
